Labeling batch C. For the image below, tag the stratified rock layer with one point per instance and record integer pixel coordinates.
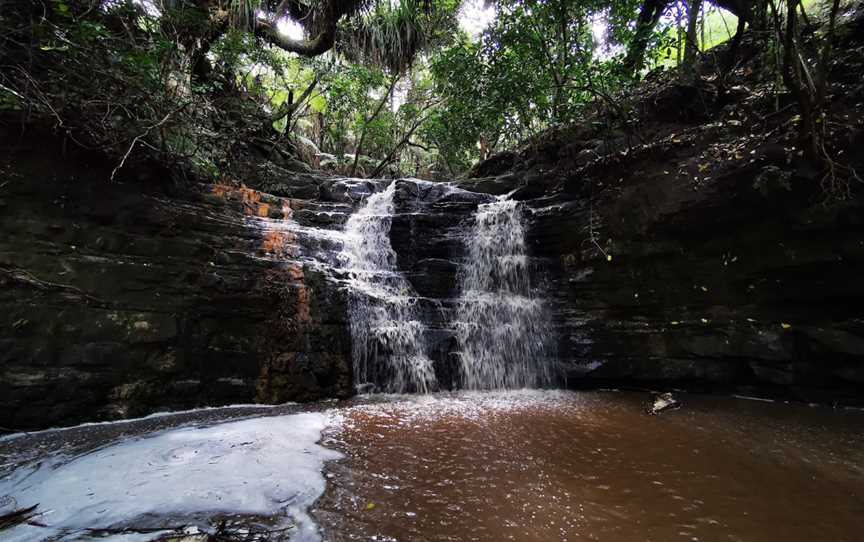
(688, 250)
(697, 248)
(120, 299)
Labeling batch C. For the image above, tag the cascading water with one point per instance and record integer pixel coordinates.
(503, 331)
(388, 346)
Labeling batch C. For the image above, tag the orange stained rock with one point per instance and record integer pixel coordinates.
(251, 200)
(302, 314)
(247, 195)
(295, 272)
(220, 190)
(277, 242)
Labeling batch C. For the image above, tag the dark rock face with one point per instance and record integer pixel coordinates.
(699, 259)
(671, 267)
(428, 235)
(693, 249)
(121, 299)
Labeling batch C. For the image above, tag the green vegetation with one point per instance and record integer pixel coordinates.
(359, 87)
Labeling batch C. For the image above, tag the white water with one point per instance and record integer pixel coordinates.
(389, 350)
(265, 466)
(503, 331)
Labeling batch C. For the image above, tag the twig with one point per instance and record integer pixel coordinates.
(142, 135)
(23, 277)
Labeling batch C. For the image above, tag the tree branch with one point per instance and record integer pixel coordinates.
(405, 139)
(289, 109)
(370, 119)
(142, 135)
(418, 145)
(320, 44)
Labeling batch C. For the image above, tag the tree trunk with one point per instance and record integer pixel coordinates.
(327, 14)
(649, 16)
(366, 122)
(797, 83)
(290, 106)
(406, 140)
(691, 47)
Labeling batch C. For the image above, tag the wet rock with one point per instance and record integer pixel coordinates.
(496, 164)
(661, 402)
(125, 300)
(495, 186)
(10, 516)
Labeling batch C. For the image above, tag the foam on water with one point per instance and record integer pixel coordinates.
(264, 467)
(415, 411)
(155, 415)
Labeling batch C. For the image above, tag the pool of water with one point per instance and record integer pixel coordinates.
(542, 466)
(522, 465)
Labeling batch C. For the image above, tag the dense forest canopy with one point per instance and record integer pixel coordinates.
(371, 87)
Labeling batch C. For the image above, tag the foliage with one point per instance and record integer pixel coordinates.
(535, 68)
(391, 35)
(202, 83)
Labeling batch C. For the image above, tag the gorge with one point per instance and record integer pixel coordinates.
(410, 286)
(261, 282)
(341, 270)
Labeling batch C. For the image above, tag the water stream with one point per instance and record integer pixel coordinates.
(503, 329)
(388, 346)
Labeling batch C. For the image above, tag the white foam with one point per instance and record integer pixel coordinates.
(409, 410)
(264, 466)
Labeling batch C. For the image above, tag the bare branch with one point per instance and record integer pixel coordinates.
(370, 119)
(145, 133)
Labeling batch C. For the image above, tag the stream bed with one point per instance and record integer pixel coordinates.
(520, 465)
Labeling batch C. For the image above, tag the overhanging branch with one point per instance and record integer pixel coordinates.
(320, 44)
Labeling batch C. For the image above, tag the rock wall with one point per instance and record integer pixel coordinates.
(690, 250)
(124, 298)
(655, 284)
(698, 250)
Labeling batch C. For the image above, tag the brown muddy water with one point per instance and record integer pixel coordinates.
(522, 466)
(548, 466)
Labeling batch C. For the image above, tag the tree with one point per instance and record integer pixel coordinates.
(691, 45)
(368, 119)
(807, 81)
(534, 68)
(319, 20)
(649, 16)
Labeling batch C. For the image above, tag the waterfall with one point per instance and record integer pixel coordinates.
(504, 333)
(388, 345)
